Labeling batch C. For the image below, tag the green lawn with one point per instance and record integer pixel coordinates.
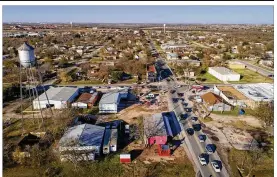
(248, 76)
(91, 82)
(209, 78)
(234, 112)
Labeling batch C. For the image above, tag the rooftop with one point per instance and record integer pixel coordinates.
(154, 125)
(223, 70)
(257, 92)
(172, 55)
(84, 97)
(58, 93)
(211, 98)
(83, 135)
(151, 68)
(230, 91)
(112, 97)
(25, 47)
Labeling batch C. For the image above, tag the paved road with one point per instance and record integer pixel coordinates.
(192, 142)
(260, 70)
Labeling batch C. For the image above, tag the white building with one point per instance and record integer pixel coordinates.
(257, 92)
(110, 101)
(59, 97)
(172, 56)
(224, 74)
(81, 142)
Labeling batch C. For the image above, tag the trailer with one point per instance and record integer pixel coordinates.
(113, 143)
(107, 141)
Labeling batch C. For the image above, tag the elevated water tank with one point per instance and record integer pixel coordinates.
(26, 55)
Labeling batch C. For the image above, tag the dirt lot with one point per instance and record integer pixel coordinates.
(231, 131)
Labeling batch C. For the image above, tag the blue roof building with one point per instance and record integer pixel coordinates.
(83, 139)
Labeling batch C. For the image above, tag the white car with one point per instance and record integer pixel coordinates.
(215, 166)
(202, 159)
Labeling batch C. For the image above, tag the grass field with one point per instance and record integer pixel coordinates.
(209, 78)
(265, 168)
(248, 76)
(234, 112)
(91, 82)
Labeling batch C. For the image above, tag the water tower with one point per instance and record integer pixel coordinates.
(29, 68)
(26, 55)
(164, 28)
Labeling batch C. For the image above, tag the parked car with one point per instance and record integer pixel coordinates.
(202, 159)
(215, 166)
(202, 138)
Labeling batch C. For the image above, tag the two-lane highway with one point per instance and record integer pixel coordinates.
(191, 141)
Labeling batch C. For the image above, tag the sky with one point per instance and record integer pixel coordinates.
(140, 14)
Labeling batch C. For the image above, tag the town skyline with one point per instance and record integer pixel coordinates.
(140, 14)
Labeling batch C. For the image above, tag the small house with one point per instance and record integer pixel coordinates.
(86, 100)
(214, 102)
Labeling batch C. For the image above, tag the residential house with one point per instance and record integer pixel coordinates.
(235, 49)
(86, 100)
(108, 63)
(151, 73)
(172, 56)
(214, 102)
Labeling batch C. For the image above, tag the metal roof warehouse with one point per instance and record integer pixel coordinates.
(59, 97)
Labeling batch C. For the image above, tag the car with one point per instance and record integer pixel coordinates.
(216, 166)
(202, 159)
(183, 116)
(108, 87)
(175, 100)
(188, 109)
(190, 131)
(196, 127)
(194, 119)
(180, 94)
(185, 104)
(209, 148)
(202, 138)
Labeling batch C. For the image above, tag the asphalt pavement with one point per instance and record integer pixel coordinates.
(191, 141)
